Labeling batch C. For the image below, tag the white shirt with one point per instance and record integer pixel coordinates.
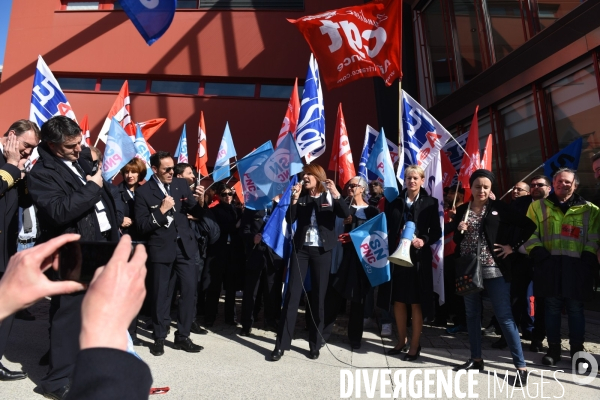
(99, 208)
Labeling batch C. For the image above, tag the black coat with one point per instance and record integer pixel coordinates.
(128, 211)
(64, 204)
(499, 224)
(103, 373)
(151, 223)
(13, 194)
(325, 213)
(351, 281)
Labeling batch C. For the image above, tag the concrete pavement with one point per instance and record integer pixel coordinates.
(234, 367)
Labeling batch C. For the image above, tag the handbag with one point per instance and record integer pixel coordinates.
(468, 276)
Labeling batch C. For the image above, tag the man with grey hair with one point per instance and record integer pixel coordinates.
(563, 248)
(16, 146)
(70, 198)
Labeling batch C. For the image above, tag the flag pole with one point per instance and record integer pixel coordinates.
(97, 139)
(455, 194)
(532, 172)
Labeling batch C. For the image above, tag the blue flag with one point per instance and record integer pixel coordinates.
(370, 137)
(47, 98)
(118, 152)
(566, 158)
(380, 163)
(310, 134)
(277, 234)
(254, 198)
(181, 152)
(422, 136)
(151, 18)
(371, 244)
(142, 151)
(226, 151)
(275, 173)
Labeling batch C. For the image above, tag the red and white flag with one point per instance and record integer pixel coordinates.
(471, 159)
(486, 157)
(356, 42)
(341, 155)
(85, 131)
(290, 121)
(201, 154)
(149, 128)
(121, 111)
(448, 170)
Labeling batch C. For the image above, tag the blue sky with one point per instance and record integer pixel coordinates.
(5, 6)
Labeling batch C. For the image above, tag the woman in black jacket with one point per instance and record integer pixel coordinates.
(315, 204)
(221, 258)
(492, 223)
(133, 173)
(413, 285)
(350, 282)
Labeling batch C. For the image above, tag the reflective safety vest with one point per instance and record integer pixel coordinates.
(564, 234)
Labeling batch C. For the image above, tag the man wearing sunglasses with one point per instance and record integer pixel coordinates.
(162, 206)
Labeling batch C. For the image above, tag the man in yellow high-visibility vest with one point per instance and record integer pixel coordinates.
(563, 248)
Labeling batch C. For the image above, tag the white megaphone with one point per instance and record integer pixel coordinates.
(402, 254)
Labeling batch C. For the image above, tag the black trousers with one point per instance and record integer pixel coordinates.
(5, 328)
(222, 274)
(269, 279)
(521, 278)
(163, 276)
(64, 340)
(539, 319)
(319, 262)
(333, 303)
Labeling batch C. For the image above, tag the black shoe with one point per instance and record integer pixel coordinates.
(187, 345)
(403, 349)
(536, 346)
(276, 355)
(6, 375)
(158, 347)
(25, 315)
(553, 355)
(470, 364)
(209, 322)
(414, 357)
(137, 342)
(355, 345)
(197, 329)
(245, 332)
(230, 321)
(500, 343)
(59, 394)
(271, 325)
(521, 378)
(314, 354)
(45, 360)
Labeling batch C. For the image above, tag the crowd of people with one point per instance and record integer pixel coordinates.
(199, 242)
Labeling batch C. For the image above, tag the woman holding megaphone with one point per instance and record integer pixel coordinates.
(413, 285)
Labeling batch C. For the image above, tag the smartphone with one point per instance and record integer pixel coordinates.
(78, 261)
(95, 167)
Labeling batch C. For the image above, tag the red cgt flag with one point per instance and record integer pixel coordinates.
(356, 42)
(448, 170)
(121, 111)
(471, 160)
(341, 155)
(201, 155)
(290, 121)
(149, 128)
(85, 131)
(486, 158)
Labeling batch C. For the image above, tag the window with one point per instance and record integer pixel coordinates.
(77, 83)
(253, 4)
(174, 87)
(182, 4)
(278, 91)
(468, 33)
(229, 89)
(522, 140)
(507, 26)
(82, 5)
(114, 85)
(575, 108)
(549, 11)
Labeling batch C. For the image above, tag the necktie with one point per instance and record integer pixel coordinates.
(79, 169)
(168, 189)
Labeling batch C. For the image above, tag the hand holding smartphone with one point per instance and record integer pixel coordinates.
(78, 261)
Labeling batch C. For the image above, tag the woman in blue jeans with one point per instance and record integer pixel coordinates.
(500, 233)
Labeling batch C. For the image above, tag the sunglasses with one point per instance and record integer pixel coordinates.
(353, 185)
(225, 194)
(518, 189)
(538, 185)
(169, 169)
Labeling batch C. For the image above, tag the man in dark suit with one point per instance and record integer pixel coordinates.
(69, 199)
(161, 209)
(16, 146)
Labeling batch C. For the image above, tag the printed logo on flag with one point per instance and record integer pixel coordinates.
(251, 191)
(374, 250)
(277, 167)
